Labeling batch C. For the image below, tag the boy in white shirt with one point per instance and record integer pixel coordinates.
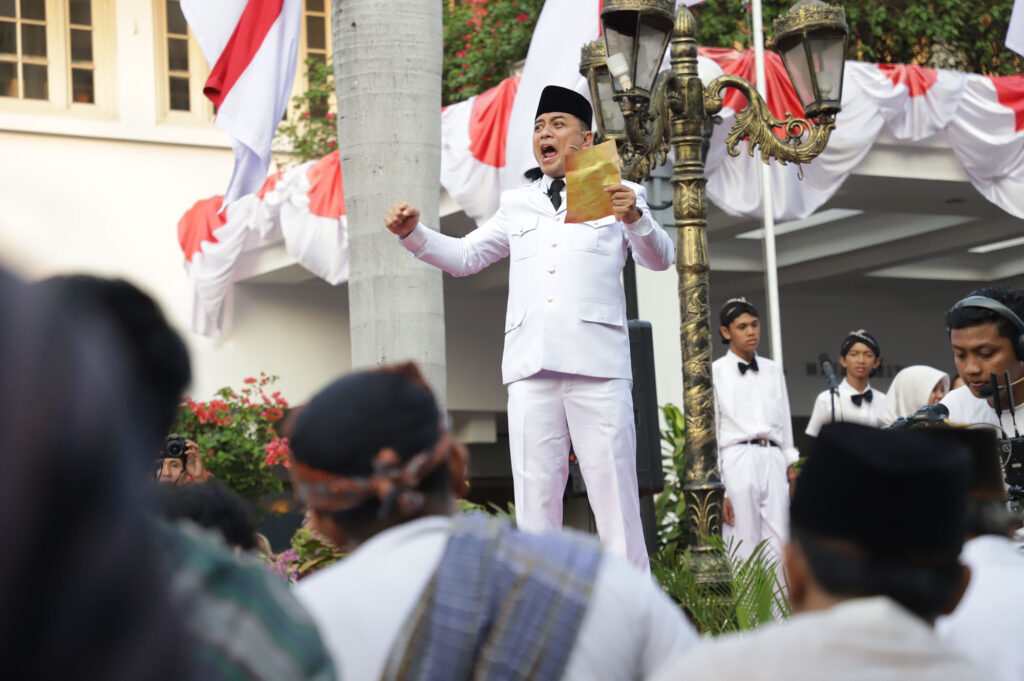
(857, 402)
(755, 434)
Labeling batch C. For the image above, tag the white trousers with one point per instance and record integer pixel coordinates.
(756, 484)
(546, 412)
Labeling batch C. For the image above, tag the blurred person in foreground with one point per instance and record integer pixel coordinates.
(876, 525)
(914, 387)
(241, 621)
(82, 593)
(428, 594)
(213, 506)
(988, 624)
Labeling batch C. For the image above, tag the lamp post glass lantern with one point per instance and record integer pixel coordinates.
(670, 111)
(811, 38)
(636, 33)
(593, 66)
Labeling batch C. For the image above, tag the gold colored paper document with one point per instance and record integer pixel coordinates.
(588, 172)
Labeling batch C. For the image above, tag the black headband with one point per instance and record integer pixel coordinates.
(859, 336)
(733, 308)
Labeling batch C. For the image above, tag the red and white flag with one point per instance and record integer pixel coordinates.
(252, 47)
(1015, 32)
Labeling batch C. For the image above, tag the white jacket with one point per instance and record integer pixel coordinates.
(566, 305)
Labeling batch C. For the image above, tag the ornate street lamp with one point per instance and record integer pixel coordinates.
(670, 110)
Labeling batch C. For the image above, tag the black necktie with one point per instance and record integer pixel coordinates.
(752, 367)
(555, 193)
(862, 398)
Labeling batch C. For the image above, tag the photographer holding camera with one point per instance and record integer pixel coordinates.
(179, 462)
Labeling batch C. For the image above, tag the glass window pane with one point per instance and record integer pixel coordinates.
(177, 54)
(35, 81)
(316, 33)
(8, 42)
(179, 94)
(33, 40)
(314, 5)
(620, 57)
(33, 9)
(81, 86)
(796, 63)
(80, 12)
(175, 19)
(611, 114)
(81, 45)
(8, 79)
(650, 49)
(6, 8)
(828, 62)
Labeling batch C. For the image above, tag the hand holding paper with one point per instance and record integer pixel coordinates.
(588, 174)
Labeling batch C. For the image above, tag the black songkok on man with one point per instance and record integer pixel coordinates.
(859, 336)
(733, 308)
(564, 100)
(892, 494)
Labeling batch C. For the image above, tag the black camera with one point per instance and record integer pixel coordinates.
(174, 447)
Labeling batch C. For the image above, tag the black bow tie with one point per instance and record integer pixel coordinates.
(745, 367)
(863, 397)
(555, 193)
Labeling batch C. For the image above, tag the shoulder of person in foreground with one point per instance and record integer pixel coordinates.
(625, 597)
(242, 620)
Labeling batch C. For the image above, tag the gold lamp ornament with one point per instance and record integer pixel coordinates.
(670, 110)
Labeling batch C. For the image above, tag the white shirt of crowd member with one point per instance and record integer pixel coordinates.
(755, 438)
(979, 351)
(860, 363)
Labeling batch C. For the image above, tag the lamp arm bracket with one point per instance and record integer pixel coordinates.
(755, 123)
(649, 132)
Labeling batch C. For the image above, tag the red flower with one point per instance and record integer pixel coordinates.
(522, 17)
(460, 53)
(250, 380)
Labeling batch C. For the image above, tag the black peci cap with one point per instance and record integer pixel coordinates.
(893, 494)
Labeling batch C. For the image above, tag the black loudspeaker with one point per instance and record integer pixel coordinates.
(649, 473)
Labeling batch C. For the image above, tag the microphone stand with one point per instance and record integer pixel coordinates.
(832, 392)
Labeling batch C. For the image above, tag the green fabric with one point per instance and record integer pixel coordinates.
(242, 620)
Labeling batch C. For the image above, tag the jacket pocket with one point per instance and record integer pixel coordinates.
(601, 312)
(594, 236)
(522, 241)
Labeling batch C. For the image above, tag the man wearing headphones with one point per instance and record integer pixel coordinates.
(986, 333)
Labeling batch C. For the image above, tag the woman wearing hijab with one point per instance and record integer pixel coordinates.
(914, 387)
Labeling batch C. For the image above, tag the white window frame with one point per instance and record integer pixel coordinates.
(200, 107)
(58, 66)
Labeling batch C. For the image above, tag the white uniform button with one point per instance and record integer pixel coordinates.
(553, 244)
(551, 300)
(551, 271)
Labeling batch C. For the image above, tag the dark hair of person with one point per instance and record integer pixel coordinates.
(924, 588)
(159, 358)
(81, 586)
(961, 318)
(211, 505)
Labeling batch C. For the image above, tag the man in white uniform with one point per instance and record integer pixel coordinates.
(425, 595)
(988, 624)
(566, 360)
(755, 435)
(867, 576)
(857, 401)
(985, 332)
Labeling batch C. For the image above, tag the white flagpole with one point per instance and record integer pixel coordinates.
(771, 274)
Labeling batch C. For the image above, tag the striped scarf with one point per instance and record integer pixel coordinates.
(502, 606)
